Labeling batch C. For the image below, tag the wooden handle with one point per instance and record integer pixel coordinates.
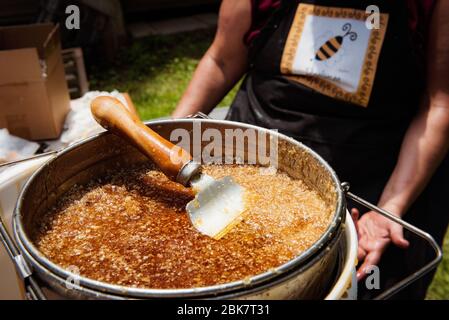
(112, 115)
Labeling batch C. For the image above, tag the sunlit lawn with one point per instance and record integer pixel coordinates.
(156, 70)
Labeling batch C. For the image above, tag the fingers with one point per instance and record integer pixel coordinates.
(374, 237)
(355, 214)
(397, 236)
(361, 254)
(371, 259)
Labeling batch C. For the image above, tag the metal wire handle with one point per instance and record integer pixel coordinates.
(32, 288)
(37, 156)
(198, 115)
(422, 234)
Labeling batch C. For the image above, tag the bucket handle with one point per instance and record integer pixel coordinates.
(32, 288)
(198, 115)
(420, 233)
(37, 156)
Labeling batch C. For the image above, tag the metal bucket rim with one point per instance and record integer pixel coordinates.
(27, 246)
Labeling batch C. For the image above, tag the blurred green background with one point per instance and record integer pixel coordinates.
(156, 70)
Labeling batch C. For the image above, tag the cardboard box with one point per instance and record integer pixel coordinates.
(34, 98)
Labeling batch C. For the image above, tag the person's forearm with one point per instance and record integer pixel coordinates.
(224, 63)
(427, 139)
(211, 81)
(424, 147)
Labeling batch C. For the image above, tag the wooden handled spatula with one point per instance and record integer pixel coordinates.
(218, 204)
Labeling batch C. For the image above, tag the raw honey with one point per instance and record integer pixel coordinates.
(130, 228)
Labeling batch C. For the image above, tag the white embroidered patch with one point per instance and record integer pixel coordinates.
(341, 65)
(333, 52)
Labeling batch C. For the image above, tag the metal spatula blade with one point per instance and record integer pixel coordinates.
(218, 205)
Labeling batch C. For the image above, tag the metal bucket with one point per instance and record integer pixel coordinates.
(308, 276)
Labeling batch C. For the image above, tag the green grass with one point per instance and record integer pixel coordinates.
(155, 71)
(439, 290)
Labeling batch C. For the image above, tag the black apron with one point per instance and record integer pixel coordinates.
(361, 143)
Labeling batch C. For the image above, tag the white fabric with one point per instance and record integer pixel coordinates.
(80, 123)
(344, 67)
(14, 148)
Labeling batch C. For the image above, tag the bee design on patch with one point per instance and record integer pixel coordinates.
(331, 47)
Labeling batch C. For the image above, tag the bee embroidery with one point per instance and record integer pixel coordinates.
(332, 45)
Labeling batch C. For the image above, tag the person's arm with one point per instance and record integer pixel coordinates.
(223, 64)
(424, 147)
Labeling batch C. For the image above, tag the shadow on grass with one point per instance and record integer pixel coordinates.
(154, 70)
(148, 56)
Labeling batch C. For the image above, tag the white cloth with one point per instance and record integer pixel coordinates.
(79, 123)
(14, 148)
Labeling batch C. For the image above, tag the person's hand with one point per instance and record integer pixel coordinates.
(375, 233)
